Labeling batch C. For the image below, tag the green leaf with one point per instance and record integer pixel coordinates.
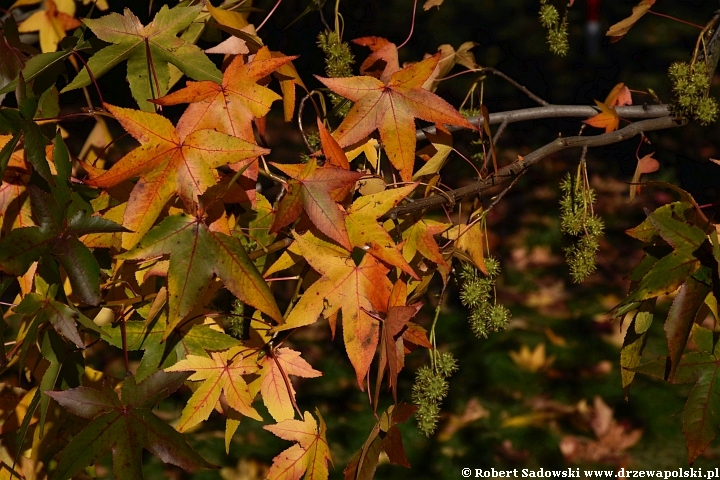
(61, 156)
(634, 342)
(703, 338)
(676, 233)
(10, 121)
(65, 367)
(196, 253)
(148, 51)
(47, 65)
(48, 104)
(42, 309)
(7, 152)
(665, 276)
(22, 432)
(35, 143)
(81, 267)
(57, 240)
(187, 340)
(681, 317)
(124, 426)
(701, 417)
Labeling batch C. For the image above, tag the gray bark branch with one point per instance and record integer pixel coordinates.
(662, 121)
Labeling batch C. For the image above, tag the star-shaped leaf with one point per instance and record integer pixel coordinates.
(419, 238)
(392, 350)
(384, 436)
(315, 190)
(229, 107)
(148, 50)
(124, 425)
(220, 374)
(608, 117)
(365, 232)
(187, 340)
(276, 388)
(56, 238)
(196, 253)
(356, 290)
(167, 163)
(43, 307)
(391, 108)
(309, 455)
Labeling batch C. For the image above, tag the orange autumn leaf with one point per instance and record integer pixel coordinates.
(356, 290)
(619, 96)
(391, 108)
(314, 190)
(334, 154)
(231, 106)
(619, 30)
(220, 374)
(383, 61)
(392, 351)
(167, 163)
(366, 233)
(646, 164)
(308, 456)
(608, 117)
(276, 389)
(419, 238)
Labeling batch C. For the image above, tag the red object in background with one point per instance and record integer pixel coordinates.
(593, 10)
(593, 33)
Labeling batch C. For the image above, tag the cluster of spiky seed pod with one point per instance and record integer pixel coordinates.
(338, 63)
(430, 388)
(690, 87)
(557, 35)
(477, 292)
(580, 222)
(235, 326)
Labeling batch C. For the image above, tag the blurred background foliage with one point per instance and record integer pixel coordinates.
(546, 392)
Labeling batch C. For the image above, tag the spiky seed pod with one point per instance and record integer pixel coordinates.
(580, 222)
(338, 63)
(557, 35)
(236, 321)
(476, 293)
(690, 88)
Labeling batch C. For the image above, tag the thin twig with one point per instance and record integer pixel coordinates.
(515, 84)
(269, 15)
(500, 131)
(279, 245)
(322, 16)
(412, 27)
(500, 195)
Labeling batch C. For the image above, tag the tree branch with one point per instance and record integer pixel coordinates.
(511, 171)
(558, 111)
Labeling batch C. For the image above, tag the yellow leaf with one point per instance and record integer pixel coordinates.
(220, 374)
(370, 149)
(531, 360)
(227, 17)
